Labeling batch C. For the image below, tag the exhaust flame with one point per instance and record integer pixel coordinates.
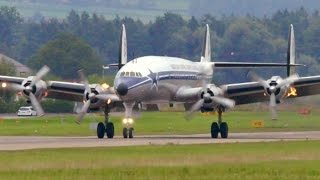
(292, 92)
(109, 101)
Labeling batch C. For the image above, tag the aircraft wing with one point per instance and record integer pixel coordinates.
(11, 79)
(58, 89)
(65, 91)
(73, 91)
(252, 92)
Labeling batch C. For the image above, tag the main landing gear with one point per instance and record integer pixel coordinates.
(219, 127)
(106, 127)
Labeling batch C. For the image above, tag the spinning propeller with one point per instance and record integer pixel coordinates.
(89, 97)
(273, 88)
(29, 89)
(214, 96)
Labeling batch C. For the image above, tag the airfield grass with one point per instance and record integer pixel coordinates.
(28, 9)
(273, 160)
(163, 123)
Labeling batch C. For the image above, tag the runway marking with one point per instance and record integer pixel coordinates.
(40, 142)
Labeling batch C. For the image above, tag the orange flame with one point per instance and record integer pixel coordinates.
(292, 92)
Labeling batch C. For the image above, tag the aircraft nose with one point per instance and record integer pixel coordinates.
(122, 89)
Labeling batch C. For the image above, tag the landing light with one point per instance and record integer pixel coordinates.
(4, 85)
(130, 121)
(127, 121)
(105, 86)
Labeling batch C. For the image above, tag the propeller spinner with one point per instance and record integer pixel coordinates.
(273, 88)
(29, 89)
(90, 97)
(216, 97)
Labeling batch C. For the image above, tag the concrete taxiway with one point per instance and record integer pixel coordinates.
(39, 142)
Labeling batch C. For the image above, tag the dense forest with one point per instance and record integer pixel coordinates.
(233, 38)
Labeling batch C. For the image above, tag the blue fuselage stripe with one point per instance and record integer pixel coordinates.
(133, 82)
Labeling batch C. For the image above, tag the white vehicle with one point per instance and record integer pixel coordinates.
(26, 111)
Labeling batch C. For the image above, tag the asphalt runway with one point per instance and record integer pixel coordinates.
(40, 142)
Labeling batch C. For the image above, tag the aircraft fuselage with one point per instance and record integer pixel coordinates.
(156, 79)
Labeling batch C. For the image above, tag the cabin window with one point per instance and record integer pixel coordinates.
(122, 74)
(132, 74)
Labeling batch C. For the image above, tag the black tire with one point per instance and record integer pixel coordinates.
(131, 133)
(110, 130)
(101, 130)
(214, 130)
(224, 130)
(125, 133)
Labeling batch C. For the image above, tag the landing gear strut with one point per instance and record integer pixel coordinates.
(219, 126)
(128, 129)
(106, 127)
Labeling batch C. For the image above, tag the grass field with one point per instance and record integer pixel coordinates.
(29, 8)
(277, 160)
(160, 123)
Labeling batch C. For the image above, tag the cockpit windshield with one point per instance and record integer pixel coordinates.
(130, 74)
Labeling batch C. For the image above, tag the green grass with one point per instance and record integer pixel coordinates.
(160, 123)
(277, 160)
(28, 9)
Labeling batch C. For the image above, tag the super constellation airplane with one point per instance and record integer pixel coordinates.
(161, 79)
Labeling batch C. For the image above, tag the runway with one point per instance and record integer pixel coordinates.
(40, 142)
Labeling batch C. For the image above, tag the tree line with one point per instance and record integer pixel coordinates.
(92, 40)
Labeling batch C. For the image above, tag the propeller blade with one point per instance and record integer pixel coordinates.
(41, 73)
(229, 103)
(254, 77)
(36, 105)
(85, 81)
(194, 108)
(16, 87)
(272, 106)
(83, 111)
(288, 81)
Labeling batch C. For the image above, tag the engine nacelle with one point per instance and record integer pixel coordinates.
(97, 89)
(279, 92)
(39, 89)
(209, 105)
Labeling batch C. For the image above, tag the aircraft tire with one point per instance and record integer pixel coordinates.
(101, 130)
(224, 130)
(110, 130)
(125, 133)
(214, 130)
(131, 133)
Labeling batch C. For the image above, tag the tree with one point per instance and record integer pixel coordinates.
(65, 55)
(9, 21)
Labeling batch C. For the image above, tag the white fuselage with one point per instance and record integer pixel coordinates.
(156, 79)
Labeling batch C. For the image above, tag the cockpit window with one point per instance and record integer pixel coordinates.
(130, 74)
